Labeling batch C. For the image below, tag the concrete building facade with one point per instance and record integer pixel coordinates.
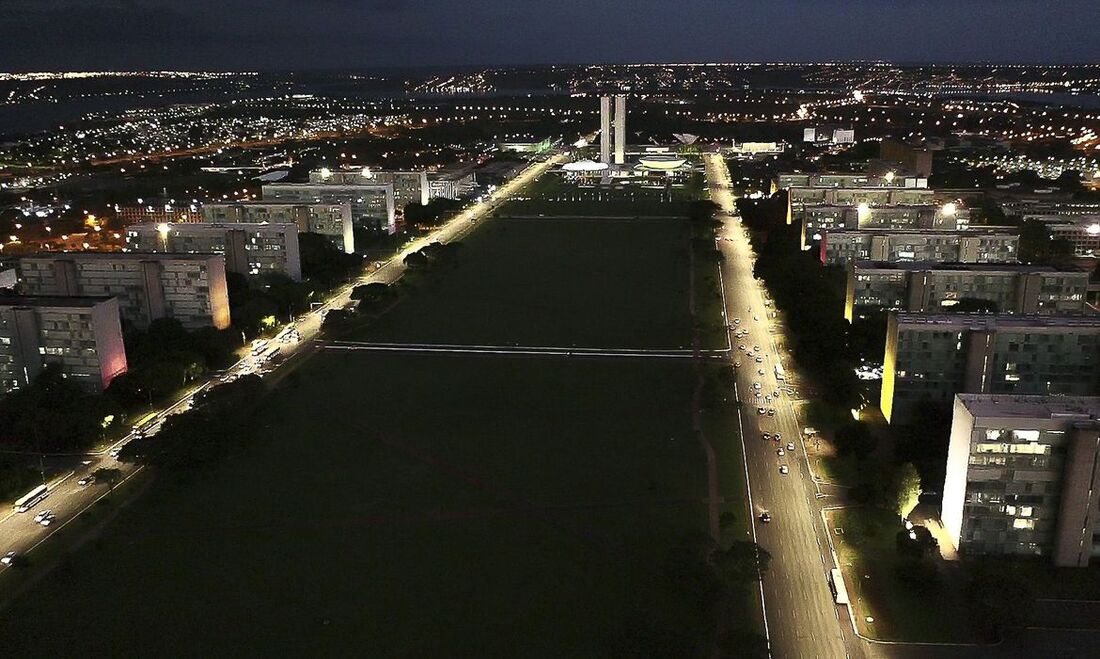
(934, 287)
(1022, 474)
(932, 357)
(249, 249)
(190, 288)
(890, 245)
(373, 205)
(81, 335)
(944, 217)
(330, 220)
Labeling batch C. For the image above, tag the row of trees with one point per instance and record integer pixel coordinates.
(810, 296)
(219, 421)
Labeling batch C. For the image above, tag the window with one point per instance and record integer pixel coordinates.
(1023, 523)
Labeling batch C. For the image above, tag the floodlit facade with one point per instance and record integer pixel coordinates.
(249, 249)
(81, 335)
(373, 205)
(818, 219)
(190, 288)
(932, 287)
(620, 129)
(605, 130)
(893, 245)
(1022, 474)
(330, 220)
(799, 197)
(932, 357)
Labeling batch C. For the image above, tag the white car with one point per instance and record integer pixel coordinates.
(8, 558)
(756, 318)
(790, 446)
(86, 481)
(765, 517)
(778, 437)
(760, 372)
(761, 411)
(771, 411)
(780, 452)
(766, 436)
(783, 470)
(48, 519)
(759, 359)
(736, 321)
(756, 385)
(737, 364)
(756, 348)
(42, 515)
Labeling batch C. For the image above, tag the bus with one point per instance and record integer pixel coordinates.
(30, 499)
(144, 423)
(836, 581)
(779, 376)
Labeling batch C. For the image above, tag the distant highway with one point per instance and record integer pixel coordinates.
(67, 499)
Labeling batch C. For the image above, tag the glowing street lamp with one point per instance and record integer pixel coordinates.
(949, 209)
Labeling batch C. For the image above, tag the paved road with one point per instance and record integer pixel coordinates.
(802, 619)
(67, 499)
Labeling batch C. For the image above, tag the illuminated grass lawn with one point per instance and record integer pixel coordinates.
(434, 505)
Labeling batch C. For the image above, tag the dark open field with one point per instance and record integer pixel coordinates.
(434, 505)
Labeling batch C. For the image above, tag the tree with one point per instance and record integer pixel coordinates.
(109, 475)
(416, 261)
(854, 438)
(905, 489)
(742, 562)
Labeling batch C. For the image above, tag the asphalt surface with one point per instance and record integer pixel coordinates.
(67, 499)
(802, 619)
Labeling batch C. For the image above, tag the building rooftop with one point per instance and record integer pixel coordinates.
(993, 321)
(210, 226)
(117, 256)
(972, 231)
(276, 202)
(51, 301)
(964, 267)
(1031, 407)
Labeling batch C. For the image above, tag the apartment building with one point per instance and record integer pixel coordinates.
(330, 220)
(933, 287)
(249, 249)
(81, 335)
(990, 245)
(818, 219)
(190, 288)
(932, 357)
(373, 205)
(1022, 474)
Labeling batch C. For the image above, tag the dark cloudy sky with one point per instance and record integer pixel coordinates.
(284, 34)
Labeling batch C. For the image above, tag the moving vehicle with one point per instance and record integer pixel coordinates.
(8, 558)
(30, 499)
(87, 480)
(737, 364)
(766, 436)
(790, 446)
(48, 519)
(759, 359)
(761, 411)
(779, 375)
(756, 385)
(780, 452)
(765, 517)
(771, 411)
(836, 583)
(783, 470)
(778, 437)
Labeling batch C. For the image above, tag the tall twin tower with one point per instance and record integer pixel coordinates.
(620, 129)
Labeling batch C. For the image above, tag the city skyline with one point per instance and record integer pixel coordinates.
(340, 34)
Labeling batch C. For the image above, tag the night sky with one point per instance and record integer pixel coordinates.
(351, 34)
